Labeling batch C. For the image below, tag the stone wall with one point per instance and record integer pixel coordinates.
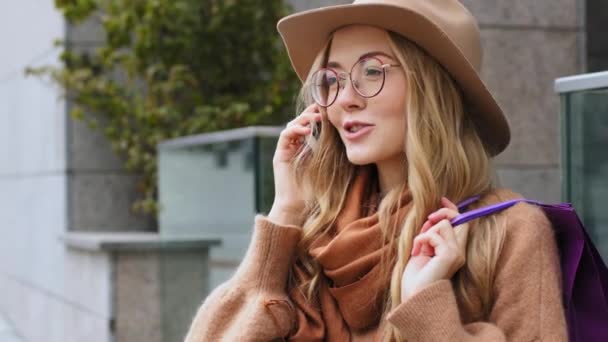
(100, 190)
(527, 44)
(597, 31)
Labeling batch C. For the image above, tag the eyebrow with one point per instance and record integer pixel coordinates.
(365, 55)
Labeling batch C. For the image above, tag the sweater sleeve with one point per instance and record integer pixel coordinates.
(528, 299)
(252, 305)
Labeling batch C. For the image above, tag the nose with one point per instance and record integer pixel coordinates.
(348, 98)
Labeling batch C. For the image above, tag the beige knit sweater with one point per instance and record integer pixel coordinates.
(253, 304)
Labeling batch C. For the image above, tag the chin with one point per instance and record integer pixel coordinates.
(358, 163)
(360, 158)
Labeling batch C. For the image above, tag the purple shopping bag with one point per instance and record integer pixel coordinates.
(584, 274)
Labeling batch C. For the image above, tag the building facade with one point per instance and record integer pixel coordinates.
(57, 176)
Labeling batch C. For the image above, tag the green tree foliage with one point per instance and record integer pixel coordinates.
(170, 68)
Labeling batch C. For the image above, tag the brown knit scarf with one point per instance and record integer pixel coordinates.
(352, 291)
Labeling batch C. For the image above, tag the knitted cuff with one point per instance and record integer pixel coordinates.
(270, 254)
(429, 315)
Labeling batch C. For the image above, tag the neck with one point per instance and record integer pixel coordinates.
(390, 173)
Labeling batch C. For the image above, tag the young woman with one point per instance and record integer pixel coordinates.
(358, 245)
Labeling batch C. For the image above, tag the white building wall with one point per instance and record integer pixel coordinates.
(47, 293)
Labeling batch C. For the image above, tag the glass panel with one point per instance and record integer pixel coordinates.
(207, 188)
(265, 180)
(204, 190)
(585, 155)
(212, 189)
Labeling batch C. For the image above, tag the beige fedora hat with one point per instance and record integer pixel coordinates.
(445, 29)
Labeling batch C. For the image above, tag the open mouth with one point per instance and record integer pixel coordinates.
(354, 126)
(354, 129)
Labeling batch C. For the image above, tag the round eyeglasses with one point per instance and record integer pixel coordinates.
(367, 77)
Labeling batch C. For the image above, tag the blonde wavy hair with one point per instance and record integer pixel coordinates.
(444, 157)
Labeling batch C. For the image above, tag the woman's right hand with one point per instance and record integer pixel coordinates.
(288, 199)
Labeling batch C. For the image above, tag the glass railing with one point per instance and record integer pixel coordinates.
(584, 130)
(213, 185)
(210, 188)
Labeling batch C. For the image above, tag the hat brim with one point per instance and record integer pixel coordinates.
(305, 33)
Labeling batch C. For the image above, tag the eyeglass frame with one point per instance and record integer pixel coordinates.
(340, 79)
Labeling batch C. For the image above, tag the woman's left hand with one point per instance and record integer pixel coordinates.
(438, 251)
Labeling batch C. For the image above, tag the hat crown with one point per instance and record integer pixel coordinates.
(451, 17)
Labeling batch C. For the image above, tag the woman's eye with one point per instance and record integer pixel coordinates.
(373, 72)
(329, 81)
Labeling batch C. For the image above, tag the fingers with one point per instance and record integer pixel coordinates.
(305, 119)
(453, 238)
(439, 223)
(310, 114)
(295, 131)
(431, 239)
(444, 213)
(449, 211)
(427, 225)
(426, 249)
(291, 136)
(448, 204)
(313, 107)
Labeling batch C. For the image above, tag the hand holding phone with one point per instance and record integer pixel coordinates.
(287, 195)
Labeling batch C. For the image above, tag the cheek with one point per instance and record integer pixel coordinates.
(392, 110)
(332, 117)
(396, 97)
(392, 130)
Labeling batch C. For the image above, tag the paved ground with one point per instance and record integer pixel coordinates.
(6, 332)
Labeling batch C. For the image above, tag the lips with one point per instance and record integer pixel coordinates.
(354, 126)
(354, 130)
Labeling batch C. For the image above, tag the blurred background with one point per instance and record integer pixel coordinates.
(136, 140)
